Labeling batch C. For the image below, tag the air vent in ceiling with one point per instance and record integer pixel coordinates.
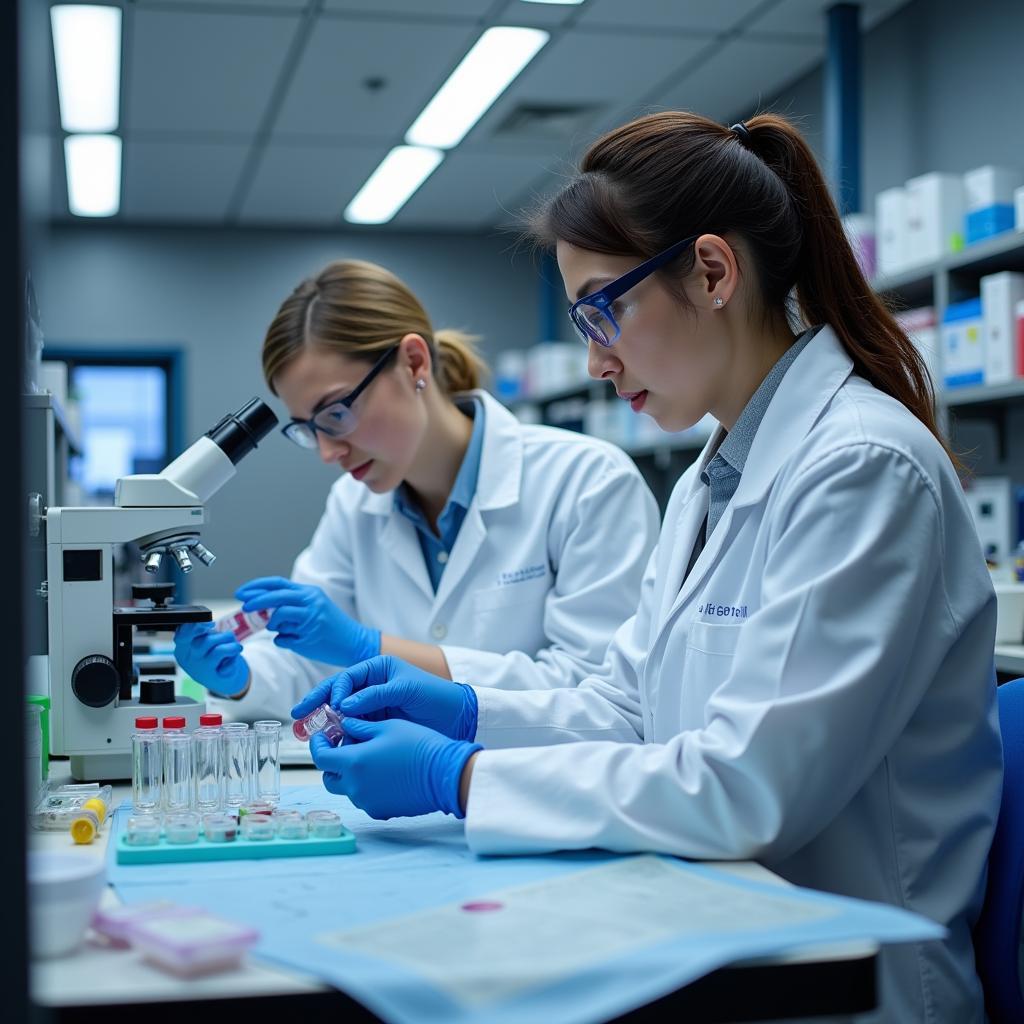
(547, 120)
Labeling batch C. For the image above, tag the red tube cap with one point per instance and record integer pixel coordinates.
(211, 718)
(174, 722)
(146, 722)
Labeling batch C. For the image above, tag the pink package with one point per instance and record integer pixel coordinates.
(192, 944)
(115, 923)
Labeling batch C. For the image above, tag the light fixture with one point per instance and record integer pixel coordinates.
(481, 77)
(564, 3)
(392, 184)
(94, 174)
(87, 53)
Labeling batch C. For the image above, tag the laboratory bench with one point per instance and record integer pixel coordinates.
(833, 980)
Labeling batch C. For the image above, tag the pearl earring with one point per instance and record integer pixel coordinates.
(420, 384)
(719, 301)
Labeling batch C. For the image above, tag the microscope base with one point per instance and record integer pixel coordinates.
(100, 767)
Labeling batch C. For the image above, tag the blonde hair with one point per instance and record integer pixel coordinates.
(359, 310)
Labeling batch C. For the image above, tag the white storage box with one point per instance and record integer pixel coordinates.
(1000, 294)
(891, 231)
(935, 213)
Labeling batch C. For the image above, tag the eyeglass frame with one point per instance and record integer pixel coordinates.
(312, 426)
(603, 298)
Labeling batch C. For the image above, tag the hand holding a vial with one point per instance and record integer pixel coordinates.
(386, 687)
(308, 622)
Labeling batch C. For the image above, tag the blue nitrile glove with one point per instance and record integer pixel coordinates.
(213, 659)
(394, 769)
(386, 687)
(308, 622)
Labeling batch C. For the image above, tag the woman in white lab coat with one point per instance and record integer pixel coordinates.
(808, 677)
(456, 538)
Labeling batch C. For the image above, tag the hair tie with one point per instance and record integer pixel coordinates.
(741, 130)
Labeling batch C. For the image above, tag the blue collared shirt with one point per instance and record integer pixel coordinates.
(723, 471)
(437, 546)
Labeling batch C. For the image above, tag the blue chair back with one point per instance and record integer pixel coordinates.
(997, 936)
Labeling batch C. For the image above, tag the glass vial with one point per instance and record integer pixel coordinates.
(177, 787)
(268, 761)
(182, 828)
(238, 764)
(208, 764)
(324, 719)
(243, 624)
(147, 766)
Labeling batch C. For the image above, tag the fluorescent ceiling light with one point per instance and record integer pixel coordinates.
(391, 186)
(87, 52)
(94, 174)
(566, 3)
(481, 77)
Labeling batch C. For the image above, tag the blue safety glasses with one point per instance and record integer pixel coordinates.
(336, 418)
(594, 315)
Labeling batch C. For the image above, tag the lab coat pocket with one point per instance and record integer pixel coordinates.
(710, 647)
(511, 617)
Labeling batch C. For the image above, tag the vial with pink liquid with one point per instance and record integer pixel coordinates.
(324, 719)
(243, 624)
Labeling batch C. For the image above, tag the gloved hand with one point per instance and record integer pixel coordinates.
(308, 622)
(213, 659)
(386, 688)
(394, 769)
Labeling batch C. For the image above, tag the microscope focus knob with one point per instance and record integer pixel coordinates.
(95, 681)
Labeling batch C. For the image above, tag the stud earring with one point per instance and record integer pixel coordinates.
(719, 301)
(420, 384)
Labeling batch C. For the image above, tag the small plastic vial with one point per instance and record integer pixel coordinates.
(89, 820)
(182, 829)
(323, 824)
(239, 764)
(208, 764)
(143, 831)
(147, 766)
(293, 828)
(177, 786)
(259, 827)
(220, 828)
(324, 719)
(243, 624)
(256, 807)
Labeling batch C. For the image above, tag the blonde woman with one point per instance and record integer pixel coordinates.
(458, 539)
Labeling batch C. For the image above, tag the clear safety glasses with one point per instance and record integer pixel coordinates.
(594, 315)
(336, 418)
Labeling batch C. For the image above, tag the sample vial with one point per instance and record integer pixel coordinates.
(243, 624)
(90, 818)
(256, 807)
(220, 828)
(324, 719)
(207, 764)
(182, 828)
(143, 831)
(293, 828)
(177, 786)
(147, 766)
(268, 761)
(238, 764)
(259, 827)
(323, 824)
(174, 723)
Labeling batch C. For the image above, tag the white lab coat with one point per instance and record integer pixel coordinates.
(546, 566)
(817, 695)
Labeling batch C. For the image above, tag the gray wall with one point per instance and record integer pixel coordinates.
(213, 294)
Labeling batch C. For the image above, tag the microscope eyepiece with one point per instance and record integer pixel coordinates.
(239, 432)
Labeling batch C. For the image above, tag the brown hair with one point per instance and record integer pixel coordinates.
(359, 310)
(660, 178)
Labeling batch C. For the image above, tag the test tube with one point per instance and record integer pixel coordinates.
(238, 764)
(147, 766)
(324, 719)
(268, 761)
(243, 624)
(207, 764)
(177, 788)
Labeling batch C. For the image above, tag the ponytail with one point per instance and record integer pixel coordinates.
(660, 178)
(459, 367)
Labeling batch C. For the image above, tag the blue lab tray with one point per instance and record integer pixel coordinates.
(241, 849)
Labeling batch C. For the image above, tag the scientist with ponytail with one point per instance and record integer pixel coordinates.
(807, 680)
(457, 538)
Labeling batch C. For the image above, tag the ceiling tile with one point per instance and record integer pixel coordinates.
(281, 5)
(741, 74)
(667, 14)
(308, 184)
(461, 8)
(472, 190)
(809, 17)
(179, 181)
(328, 98)
(519, 12)
(203, 72)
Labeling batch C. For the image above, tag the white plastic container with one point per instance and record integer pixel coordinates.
(963, 345)
(922, 329)
(990, 186)
(1009, 613)
(935, 216)
(1000, 294)
(1018, 205)
(891, 231)
(64, 891)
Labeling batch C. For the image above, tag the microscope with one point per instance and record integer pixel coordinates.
(92, 675)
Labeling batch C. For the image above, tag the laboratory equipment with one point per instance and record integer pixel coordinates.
(147, 766)
(256, 807)
(176, 793)
(258, 827)
(220, 828)
(182, 827)
(60, 805)
(114, 923)
(323, 824)
(268, 761)
(64, 891)
(322, 719)
(208, 763)
(292, 827)
(91, 671)
(143, 831)
(191, 944)
(33, 754)
(88, 821)
(243, 624)
(43, 703)
(238, 764)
